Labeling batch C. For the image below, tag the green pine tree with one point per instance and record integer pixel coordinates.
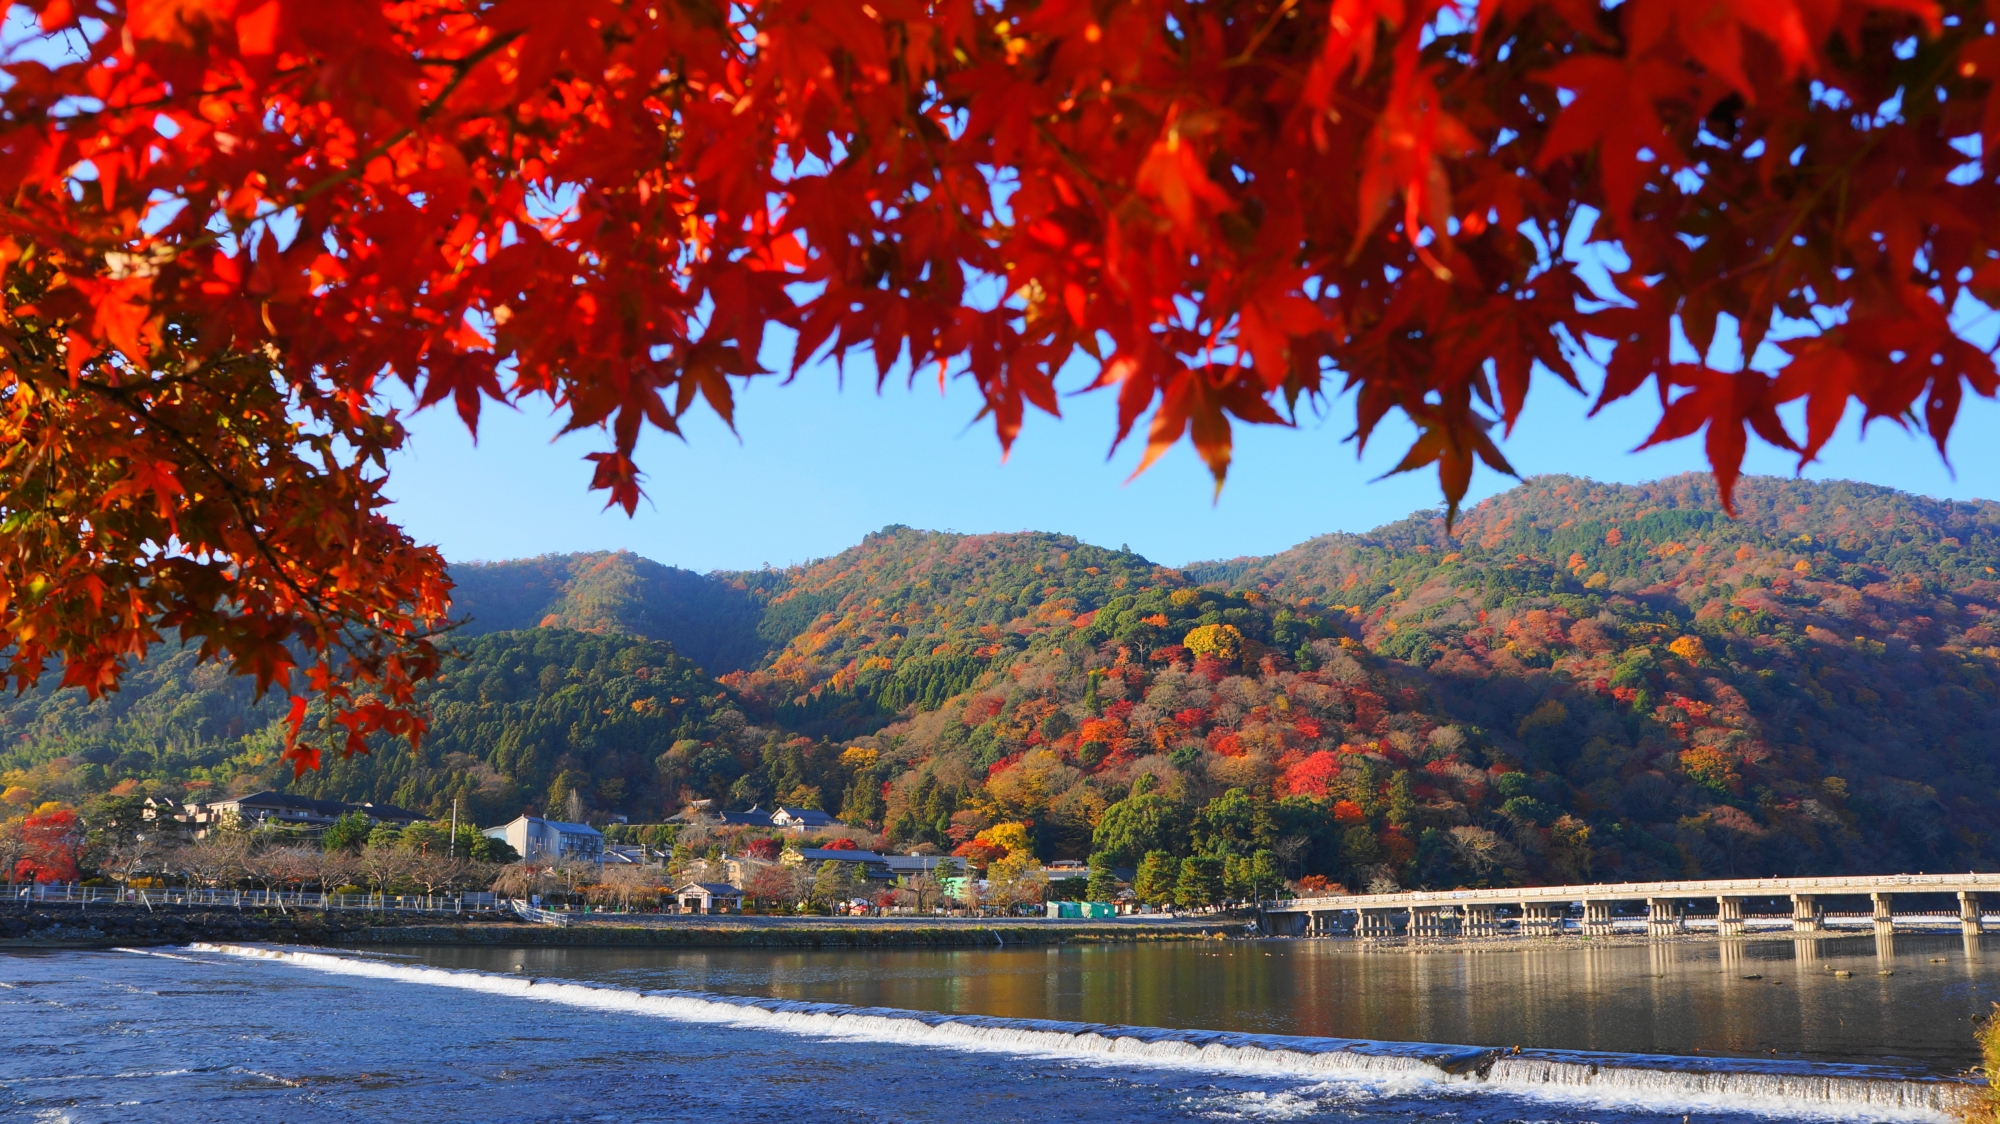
(1199, 883)
(347, 833)
(1103, 885)
(831, 883)
(1154, 883)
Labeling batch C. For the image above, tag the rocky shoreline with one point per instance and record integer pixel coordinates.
(54, 926)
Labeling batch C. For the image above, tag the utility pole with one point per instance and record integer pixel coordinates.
(454, 828)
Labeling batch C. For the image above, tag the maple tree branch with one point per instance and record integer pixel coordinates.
(236, 496)
(361, 161)
(1799, 216)
(1069, 157)
(1263, 33)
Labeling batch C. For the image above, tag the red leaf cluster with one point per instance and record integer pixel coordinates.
(1218, 207)
(52, 839)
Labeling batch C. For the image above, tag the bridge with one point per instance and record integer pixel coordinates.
(1666, 907)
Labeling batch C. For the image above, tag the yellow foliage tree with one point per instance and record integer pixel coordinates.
(1009, 837)
(1009, 873)
(1711, 768)
(1689, 648)
(1222, 641)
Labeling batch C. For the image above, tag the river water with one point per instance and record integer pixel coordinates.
(1749, 1030)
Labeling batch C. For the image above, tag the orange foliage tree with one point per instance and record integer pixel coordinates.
(232, 222)
(51, 839)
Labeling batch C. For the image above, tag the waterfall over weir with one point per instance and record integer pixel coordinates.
(1781, 1089)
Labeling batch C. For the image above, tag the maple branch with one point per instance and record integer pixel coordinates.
(1263, 33)
(236, 496)
(360, 162)
(1799, 217)
(1097, 184)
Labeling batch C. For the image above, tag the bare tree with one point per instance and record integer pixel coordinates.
(623, 885)
(436, 871)
(1486, 855)
(13, 848)
(931, 885)
(331, 869)
(1289, 851)
(383, 865)
(124, 859)
(275, 868)
(523, 880)
(215, 860)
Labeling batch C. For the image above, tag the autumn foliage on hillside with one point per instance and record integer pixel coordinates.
(231, 223)
(1580, 680)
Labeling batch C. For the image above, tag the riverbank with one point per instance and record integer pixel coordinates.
(50, 925)
(788, 933)
(57, 926)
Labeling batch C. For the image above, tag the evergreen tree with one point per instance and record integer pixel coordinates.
(348, 833)
(1103, 885)
(1199, 883)
(1154, 882)
(1265, 878)
(833, 883)
(1136, 825)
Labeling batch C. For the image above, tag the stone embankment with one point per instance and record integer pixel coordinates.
(57, 925)
(54, 925)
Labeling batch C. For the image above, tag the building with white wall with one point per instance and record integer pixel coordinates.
(538, 840)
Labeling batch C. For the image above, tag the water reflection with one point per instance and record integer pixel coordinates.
(1909, 997)
(1729, 953)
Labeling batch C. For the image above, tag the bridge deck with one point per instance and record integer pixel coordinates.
(1632, 891)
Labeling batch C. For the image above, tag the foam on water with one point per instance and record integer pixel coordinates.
(1787, 1089)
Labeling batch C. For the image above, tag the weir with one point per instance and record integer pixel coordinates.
(1544, 910)
(1778, 1089)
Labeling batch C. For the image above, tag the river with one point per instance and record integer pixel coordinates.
(1833, 1028)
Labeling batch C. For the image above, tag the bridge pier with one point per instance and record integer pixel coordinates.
(1969, 921)
(1427, 921)
(1663, 917)
(1540, 918)
(1597, 918)
(1477, 921)
(1807, 916)
(1375, 924)
(1728, 917)
(1885, 915)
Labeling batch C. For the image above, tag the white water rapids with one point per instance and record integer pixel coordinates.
(1786, 1090)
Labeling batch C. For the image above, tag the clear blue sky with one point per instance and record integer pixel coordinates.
(818, 467)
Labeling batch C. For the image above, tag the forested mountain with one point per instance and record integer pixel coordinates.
(910, 618)
(711, 619)
(1579, 681)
